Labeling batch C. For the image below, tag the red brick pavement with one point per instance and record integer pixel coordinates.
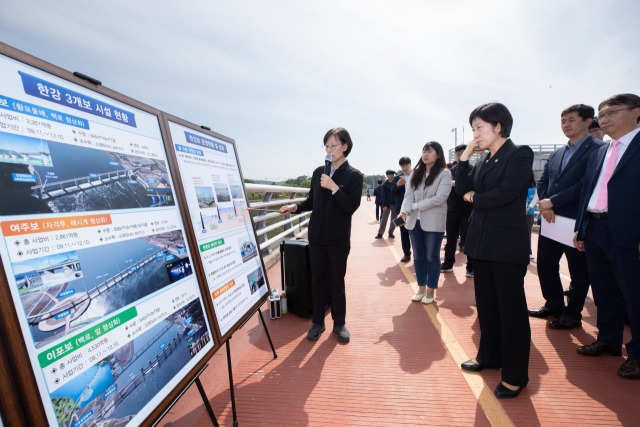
(402, 364)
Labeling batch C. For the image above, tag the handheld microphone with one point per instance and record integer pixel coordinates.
(327, 164)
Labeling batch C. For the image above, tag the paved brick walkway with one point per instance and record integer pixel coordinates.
(402, 364)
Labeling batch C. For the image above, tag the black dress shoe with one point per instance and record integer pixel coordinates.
(543, 312)
(405, 258)
(564, 322)
(597, 348)
(503, 392)
(630, 369)
(472, 366)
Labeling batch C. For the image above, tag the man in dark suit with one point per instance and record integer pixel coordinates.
(381, 200)
(397, 191)
(458, 212)
(389, 208)
(608, 231)
(559, 192)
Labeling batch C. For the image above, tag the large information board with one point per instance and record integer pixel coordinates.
(98, 284)
(226, 241)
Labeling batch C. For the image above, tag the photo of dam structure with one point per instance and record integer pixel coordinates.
(113, 276)
(116, 388)
(80, 179)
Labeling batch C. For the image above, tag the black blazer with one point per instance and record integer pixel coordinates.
(624, 195)
(397, 192)
(330, 222)
(563, 187)
(498, 229)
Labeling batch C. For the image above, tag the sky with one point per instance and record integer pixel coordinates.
(276, 75)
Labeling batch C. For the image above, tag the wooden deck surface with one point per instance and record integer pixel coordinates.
(402, 364)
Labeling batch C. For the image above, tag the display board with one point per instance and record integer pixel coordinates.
(99, 287)
(226, 242)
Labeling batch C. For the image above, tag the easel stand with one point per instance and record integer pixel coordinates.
(206, 402)
(202, 394)
(231, 387)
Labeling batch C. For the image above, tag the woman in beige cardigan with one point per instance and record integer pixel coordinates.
(424, 211)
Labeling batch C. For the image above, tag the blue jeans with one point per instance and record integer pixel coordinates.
(426, 255)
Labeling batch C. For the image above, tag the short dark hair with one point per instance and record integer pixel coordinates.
(584, 111)
(379, 182)
(628, 99)
(594, 124)
(461, 147)
(390, 172)
(404, 161)
(343, 136)
(494, 113)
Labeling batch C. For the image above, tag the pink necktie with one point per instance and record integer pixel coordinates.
(601, 203)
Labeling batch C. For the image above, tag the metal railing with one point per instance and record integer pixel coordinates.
(264, 213)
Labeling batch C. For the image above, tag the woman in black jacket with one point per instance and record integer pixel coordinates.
(498, 242)
(333, 199)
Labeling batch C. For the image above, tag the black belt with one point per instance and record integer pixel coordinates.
(597, 215)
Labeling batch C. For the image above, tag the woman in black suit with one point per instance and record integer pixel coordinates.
(498, 242)
(333, 199)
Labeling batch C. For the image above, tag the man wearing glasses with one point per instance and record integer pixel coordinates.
(608, 231)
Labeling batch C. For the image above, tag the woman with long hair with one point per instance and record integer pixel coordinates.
(498, 242)
(424, 210)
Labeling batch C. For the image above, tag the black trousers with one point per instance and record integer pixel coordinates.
(548, 259)
(328, 263)
(457, 225)
(505, 334)
(615, 281)
(378, 211)
(406, 240)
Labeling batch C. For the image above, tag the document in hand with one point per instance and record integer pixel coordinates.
(561, 230)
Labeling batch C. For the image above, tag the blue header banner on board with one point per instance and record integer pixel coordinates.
(205, 142)
(43, 89)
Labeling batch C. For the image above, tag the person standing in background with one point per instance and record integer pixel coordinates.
(333, 199)
(531, 208)
(424, 210)
(458, 212)
(381, 200)
(400, 183)
(388, 211)
(497, 241)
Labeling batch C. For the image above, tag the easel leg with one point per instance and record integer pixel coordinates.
(233, 397)
(275, 356)
(206, 403)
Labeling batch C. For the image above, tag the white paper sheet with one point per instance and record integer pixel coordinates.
(560, 231)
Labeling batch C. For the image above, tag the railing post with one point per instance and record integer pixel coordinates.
(262, 224)
(287, 226)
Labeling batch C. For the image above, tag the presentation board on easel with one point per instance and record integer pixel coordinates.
(99, 299)
(225, 238)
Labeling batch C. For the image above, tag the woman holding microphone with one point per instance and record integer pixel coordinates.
(333, 199)
(498, 242)
(424, 209)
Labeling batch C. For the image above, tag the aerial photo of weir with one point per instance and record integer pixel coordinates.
(116, 388)
(63, 292)
(48, 176)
